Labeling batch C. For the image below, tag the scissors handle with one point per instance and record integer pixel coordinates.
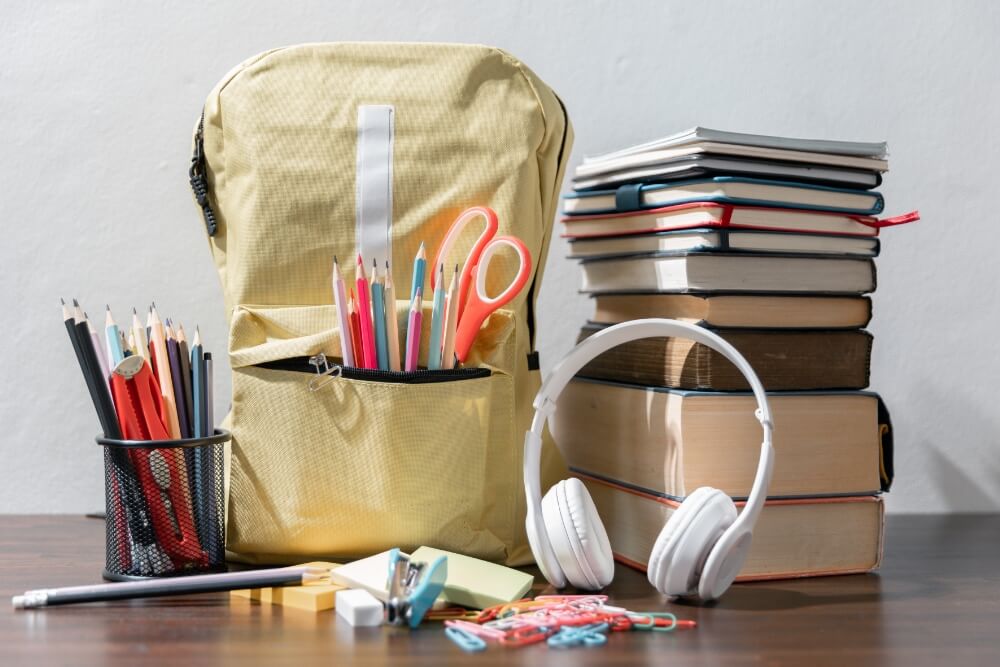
(457, 227)
(479, 305)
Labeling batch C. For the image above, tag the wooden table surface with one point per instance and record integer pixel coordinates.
(935, 602)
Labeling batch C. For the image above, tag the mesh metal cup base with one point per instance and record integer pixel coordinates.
(165, 507)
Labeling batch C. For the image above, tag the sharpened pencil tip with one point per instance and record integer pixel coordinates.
(360, 261)
(335, 260)
(107, 307)
(76, 304)
(62, 301)
(134, 311)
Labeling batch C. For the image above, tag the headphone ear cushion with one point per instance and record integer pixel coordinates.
(686, 540)
(577, 535)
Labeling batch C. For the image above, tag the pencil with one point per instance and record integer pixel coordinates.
(185, 354)
(139, 343)
(365, 317)
(128, 499)
(391, 320)
(210, 525)
(451, 322)
(102, 357)
(419, 266)
(413, 331)
(158, 343)
(200, 431)
(359, 355)
(437, 315)
(378, 319)
(344, 318)
(177, 378)
(202, 583)
(113, 338)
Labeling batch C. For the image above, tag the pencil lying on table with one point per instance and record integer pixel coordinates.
(203, 583)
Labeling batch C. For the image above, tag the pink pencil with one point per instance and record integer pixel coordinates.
(413, 331)
(365, 315)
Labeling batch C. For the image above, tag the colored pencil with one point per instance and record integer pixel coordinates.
(343, 317)
(359, 354)
(378, 319)
(437, 317)
(139, 342)
(365, 317)
(451, 323)
(99, 350)
(177, 377)
(419, 266)
(158, 343)
(203, 583)
(185, 355)
(413, 331)
(113, 338)
(391, 321)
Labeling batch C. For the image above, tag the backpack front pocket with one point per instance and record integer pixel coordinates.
(369, 460)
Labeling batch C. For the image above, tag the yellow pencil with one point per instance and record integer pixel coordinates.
(159, 343)
(451, 322)
(391, 321)
(139, 343)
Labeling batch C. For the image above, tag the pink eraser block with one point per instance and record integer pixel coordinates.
(359, 607)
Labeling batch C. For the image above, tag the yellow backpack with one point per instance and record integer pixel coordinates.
(373, 459)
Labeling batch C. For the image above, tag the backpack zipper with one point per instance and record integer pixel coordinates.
(199, 182)
(318, 365)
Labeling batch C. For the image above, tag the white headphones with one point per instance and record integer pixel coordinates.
(704, 543)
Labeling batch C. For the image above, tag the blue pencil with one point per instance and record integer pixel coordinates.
(437, 317)
(419, 266)
(378, 314)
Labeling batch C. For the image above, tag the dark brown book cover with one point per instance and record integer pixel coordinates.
(784, 360)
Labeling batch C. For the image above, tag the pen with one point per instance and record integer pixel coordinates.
(365, 317)
(343, 317)
(413, 331)
(437, 315)
(391, 320)
(378, 319)
(185, 355)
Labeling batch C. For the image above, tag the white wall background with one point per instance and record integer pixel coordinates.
(97, 102)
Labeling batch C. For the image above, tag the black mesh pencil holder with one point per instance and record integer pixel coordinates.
(165, 506)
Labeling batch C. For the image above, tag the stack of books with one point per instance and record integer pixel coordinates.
(769, 242)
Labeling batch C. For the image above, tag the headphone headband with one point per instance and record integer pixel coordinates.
(563, 372)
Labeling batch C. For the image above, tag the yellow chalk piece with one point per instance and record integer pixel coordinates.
(315, 596)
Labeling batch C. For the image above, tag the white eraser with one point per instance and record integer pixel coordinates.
(359, 607)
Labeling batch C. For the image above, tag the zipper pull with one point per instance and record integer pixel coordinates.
(325, 371)
(196, 176)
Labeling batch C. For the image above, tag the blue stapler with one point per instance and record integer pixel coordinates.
(413, 588)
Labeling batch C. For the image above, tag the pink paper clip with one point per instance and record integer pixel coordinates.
(525, 636)
(476, 629)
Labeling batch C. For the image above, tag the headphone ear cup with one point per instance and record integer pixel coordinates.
(577, 536)
(686, 540)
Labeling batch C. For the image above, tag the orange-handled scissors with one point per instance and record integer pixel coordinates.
(474, 304)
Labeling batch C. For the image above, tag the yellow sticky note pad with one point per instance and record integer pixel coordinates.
(314, 596)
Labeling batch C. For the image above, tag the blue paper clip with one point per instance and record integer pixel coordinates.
(587, 635)
(465, 640)
(413, 588)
